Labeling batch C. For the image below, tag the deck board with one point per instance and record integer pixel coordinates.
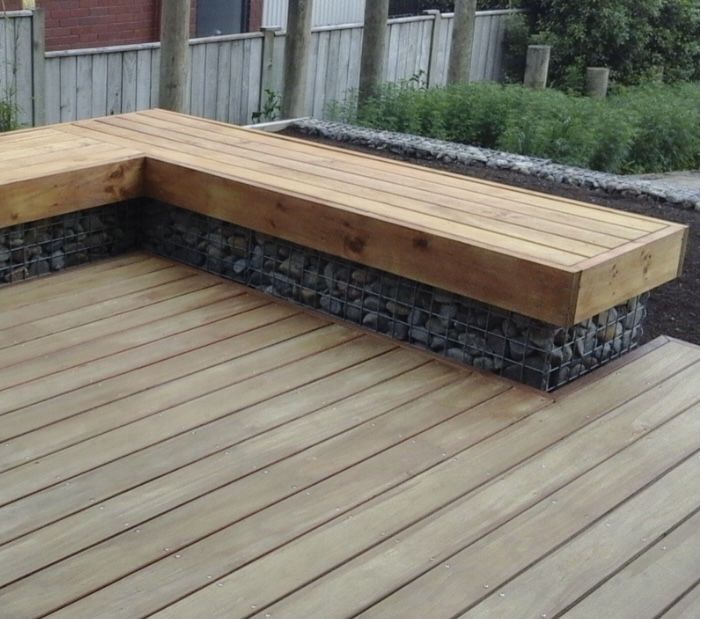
(258, 460)
(476, 238)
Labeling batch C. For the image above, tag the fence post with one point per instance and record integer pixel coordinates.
(537, 63)
(461, 41)
(433, 58)
(175, 55)
(38, 68)
(372, 56)
(268, 56)
(297, 43)
(597, 81)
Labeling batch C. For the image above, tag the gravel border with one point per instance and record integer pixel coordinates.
(451, 152)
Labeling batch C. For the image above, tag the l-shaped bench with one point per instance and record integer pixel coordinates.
(555, 260)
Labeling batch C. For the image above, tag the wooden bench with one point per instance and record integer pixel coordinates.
(553, 259)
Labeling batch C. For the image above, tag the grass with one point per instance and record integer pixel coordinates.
(651, 128)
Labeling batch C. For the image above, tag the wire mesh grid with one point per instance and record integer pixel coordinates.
(468, 331)
(33, 249)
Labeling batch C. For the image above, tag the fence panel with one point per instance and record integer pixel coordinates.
(225, 74)
(113, 80)
(16, 63)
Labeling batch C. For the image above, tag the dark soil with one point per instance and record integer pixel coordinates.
(673, 309)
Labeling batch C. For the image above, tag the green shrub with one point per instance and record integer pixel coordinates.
(667, 126)
(8, 115)
(637, 129)
(636, 39)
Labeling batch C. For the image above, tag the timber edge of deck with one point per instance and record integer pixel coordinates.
(74, 166)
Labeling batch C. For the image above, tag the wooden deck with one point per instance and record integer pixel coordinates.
(476, 238)
(176, 446)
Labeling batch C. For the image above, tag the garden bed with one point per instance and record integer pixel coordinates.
(673, 307)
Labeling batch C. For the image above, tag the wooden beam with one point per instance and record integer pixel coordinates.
(175, 59)
(373, 52)
(489, 275)
(298, 40)
(461, 42)
(38, 68)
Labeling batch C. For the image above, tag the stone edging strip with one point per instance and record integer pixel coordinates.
(450, 152)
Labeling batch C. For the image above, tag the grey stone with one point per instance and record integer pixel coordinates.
(240, 266)
(458, 354)
(309, 297)
(517, 348)
(397, 309)
(398, 331)
(610, 332)
(361, 277)
(354, 312)
(330, 304)
(39, 267)
(509, 328)
(376, 321)
(635, 317)
(4, 254)
(438, 343)
(419, 334)
(585, 340)
(607, 317)
(497, 342)
(436, 325)
(292, 267)
(562, 355)
(541, 338)
(214, 252)
(417, 317)
(58, 260)
(238, 245)
(484, 363)
(372, 303)
(448, 311)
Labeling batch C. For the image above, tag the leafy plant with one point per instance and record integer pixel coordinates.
(270, 109)
(637, 129)
(9, 113)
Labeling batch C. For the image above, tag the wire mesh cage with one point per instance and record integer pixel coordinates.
(462, 329)
(37, 248)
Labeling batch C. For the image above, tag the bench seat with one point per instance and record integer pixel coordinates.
(550, 258)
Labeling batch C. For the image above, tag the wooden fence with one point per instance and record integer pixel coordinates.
(230, 74)
(18, 31)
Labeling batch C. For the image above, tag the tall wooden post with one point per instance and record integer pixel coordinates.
(597, 81)
(38, 68)
(461, 42)
(298, 39)
(373, 52)
(175, 56)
